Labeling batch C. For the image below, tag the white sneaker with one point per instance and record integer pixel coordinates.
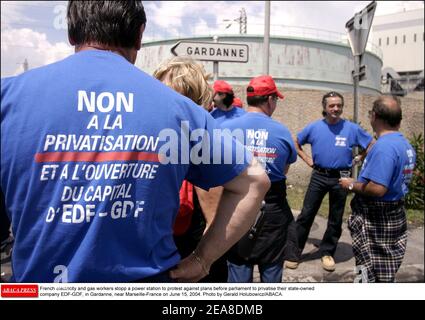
(291, 264)
(328, 263)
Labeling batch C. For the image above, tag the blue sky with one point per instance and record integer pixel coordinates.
(36, 30)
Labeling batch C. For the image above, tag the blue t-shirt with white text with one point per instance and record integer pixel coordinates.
(269, 141)
(94, 152)
(332, 145)
(220, 116)
(390, 163)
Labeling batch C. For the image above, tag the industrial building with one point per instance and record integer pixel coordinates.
(400, 36)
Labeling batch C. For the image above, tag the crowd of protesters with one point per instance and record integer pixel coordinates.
(209, 221)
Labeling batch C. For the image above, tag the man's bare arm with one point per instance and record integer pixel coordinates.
(237, 210)
(363, 154)
(209, 201)
(307, 159)
(370, 189)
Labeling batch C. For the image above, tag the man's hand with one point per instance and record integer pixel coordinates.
(361, 156)
(345, 182)
(309, 162)
(357, 160)
(190, 269)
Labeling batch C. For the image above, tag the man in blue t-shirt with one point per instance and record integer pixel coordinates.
(378, 220)
(332, 140)
(271, 143)
(94, 152)
(224, 109)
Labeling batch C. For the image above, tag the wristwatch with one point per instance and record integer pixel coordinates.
(351, 186)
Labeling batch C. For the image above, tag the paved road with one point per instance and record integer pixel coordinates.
(310, 269)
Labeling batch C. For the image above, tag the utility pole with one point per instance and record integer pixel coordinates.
(243, 22)
(25, 64)
(266, 43)
(215, 63)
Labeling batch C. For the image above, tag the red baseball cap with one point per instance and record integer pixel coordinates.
(262, 86)
(222, 86)
(237, 103)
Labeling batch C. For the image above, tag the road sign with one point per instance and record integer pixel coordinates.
(358, 28)
(212, 51)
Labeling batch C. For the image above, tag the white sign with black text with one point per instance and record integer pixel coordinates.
(212, 51)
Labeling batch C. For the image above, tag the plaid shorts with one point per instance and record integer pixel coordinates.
(379, 233)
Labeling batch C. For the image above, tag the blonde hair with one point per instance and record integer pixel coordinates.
(186, 77)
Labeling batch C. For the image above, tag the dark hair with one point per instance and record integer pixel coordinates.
(331, 95)
(113, 23)
(256, 101)
(228, 99)
(392, 115)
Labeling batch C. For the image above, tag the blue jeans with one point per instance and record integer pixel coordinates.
(269, 273)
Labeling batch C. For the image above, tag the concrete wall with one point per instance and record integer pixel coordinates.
(297, 63)
(301, 107)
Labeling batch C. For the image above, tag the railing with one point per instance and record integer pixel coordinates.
(402, 86)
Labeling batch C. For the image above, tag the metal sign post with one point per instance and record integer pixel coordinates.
(358, 29)
(215, 63)
(266, 42)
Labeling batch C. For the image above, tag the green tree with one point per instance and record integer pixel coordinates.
(415, 197)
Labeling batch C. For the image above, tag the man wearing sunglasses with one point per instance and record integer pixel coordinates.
(332, 140)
